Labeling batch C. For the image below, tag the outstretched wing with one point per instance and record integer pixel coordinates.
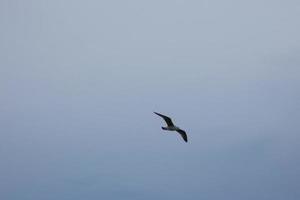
(183, 134)
(167, 119)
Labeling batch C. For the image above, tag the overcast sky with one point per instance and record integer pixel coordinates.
(79, 81)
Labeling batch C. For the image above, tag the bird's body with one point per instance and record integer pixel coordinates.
(171, 127)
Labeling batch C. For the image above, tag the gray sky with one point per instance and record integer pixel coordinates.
(79, 81)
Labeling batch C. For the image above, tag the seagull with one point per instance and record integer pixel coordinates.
(172, 127)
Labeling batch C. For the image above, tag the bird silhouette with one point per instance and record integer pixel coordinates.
(171, 127)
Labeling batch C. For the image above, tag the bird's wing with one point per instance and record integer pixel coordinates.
(167, 119)
(183, 134)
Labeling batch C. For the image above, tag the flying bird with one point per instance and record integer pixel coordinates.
(172, 127)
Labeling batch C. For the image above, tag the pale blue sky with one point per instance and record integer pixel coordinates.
(79, 81)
